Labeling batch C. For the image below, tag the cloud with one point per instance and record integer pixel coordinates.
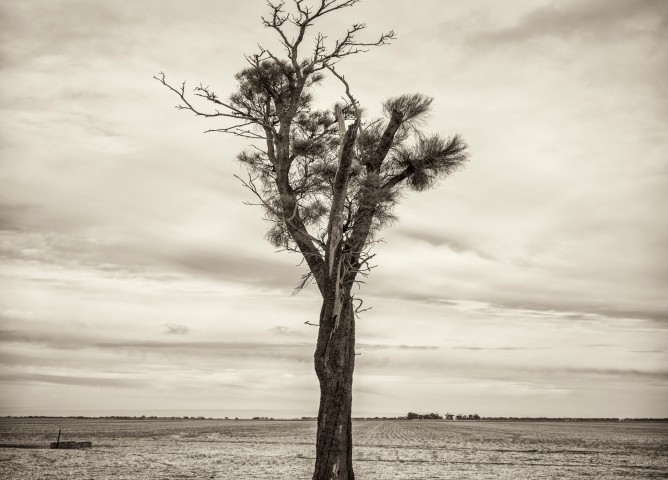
(176, 329)
(266, 271)
(63, 341)
(491, 348)
(589, 311)
(576, 311)
(593, 19)
(441, 238)
(377, 346)
(299, 352)
(536, 293)
(12, 214)
(135, 257)
(609, 372)
(286, 331)
(483, 370)
(72, 380)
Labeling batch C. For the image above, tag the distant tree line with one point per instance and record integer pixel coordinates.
(423, 416)
(410, 416)
(473, 416)
(572, 419)
(436, 416)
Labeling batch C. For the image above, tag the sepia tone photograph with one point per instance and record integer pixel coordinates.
(333, 239)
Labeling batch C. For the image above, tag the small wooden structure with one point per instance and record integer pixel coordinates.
(70, 445)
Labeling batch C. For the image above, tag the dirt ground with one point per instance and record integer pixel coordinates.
(244, 449)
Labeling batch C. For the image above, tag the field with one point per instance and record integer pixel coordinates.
(244, 449)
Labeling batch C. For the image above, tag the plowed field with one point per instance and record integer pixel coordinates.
(220, 449)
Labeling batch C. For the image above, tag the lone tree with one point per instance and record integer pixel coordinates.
(328, 181)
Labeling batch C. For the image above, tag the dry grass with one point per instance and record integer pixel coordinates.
(218, 449)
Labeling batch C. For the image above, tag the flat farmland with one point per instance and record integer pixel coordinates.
(244, 449)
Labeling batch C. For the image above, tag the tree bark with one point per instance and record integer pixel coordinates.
(334, 365)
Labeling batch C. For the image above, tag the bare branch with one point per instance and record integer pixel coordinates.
(359, 308)
(233, 112)
(306, 280)
(239, 131)
(353, 103)
(347, 46)
(278, 18)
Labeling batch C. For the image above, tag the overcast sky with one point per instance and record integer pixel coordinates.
(532, 283)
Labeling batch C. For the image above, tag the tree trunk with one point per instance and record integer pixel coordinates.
(334, 365)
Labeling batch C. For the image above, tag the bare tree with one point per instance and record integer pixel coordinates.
(327, 181)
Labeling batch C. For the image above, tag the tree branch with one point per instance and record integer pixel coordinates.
(235, 113)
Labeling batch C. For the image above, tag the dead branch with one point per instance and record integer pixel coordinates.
(353, 102)
(239, 131)
(205, 93)
(357, 310)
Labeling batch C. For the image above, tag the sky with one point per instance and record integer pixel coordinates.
(135, 281)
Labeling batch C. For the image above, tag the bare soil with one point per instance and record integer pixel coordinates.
(244, 449)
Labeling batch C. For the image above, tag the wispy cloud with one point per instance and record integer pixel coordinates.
(440, 238)
(594, 19)
(121, 257)
(176, 329)
(376, 346)
(510, 349)
(299, 352)
(286, 331)
(98, 381)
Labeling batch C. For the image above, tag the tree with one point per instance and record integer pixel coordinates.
(328, 181)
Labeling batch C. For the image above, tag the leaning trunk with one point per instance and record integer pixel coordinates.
(334, 365)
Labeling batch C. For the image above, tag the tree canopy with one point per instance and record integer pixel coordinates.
(328, 179)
